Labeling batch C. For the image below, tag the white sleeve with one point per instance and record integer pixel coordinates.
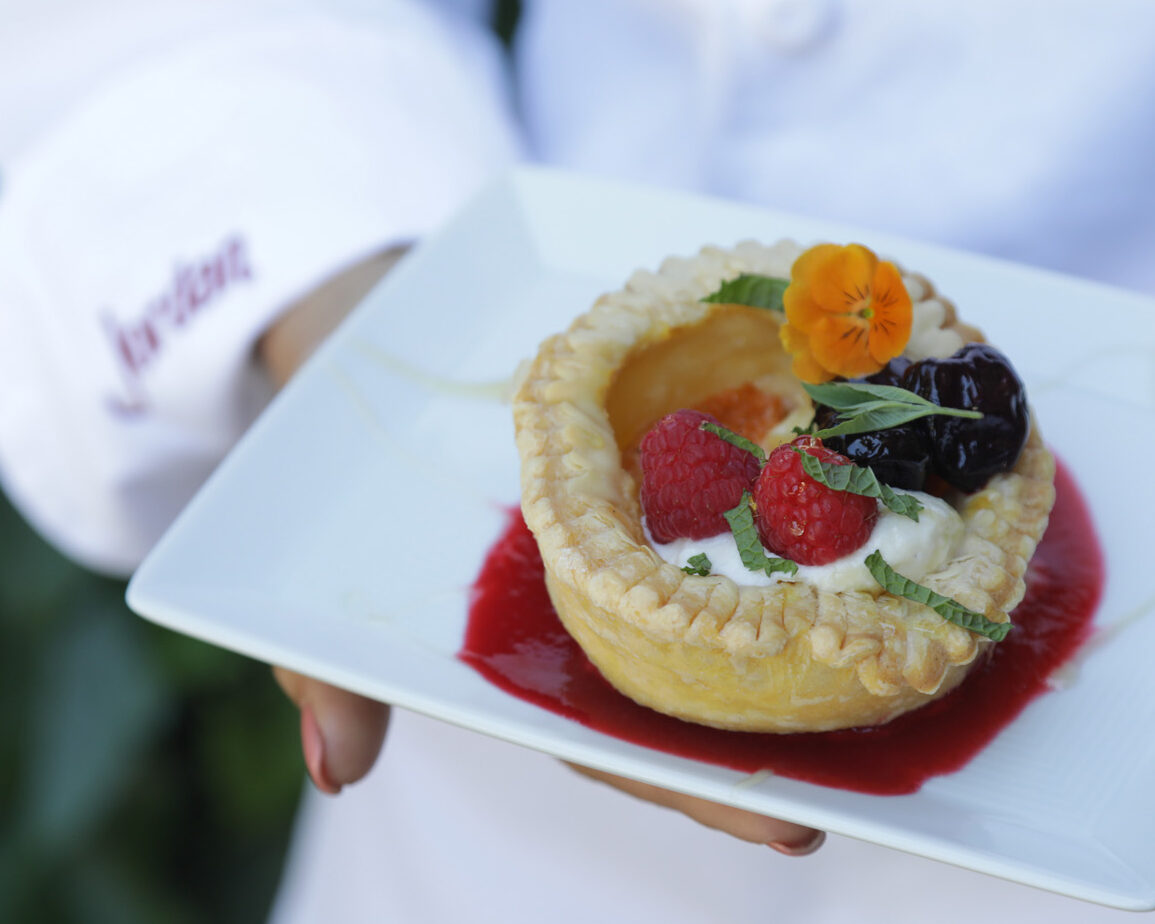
(147, 242)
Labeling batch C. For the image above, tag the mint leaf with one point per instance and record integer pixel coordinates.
(753, 290)
(841, 395)
(863, 408)
(750, 549)
(698, 564)
(855, 479)
(951, 610)
(734, 438)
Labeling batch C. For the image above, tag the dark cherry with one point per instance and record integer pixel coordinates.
(890, 374)
(898, 456)
(966, 453)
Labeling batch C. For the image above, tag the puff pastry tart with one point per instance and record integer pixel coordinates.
(786, 652)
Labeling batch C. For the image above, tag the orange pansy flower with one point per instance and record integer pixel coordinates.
(847, 313)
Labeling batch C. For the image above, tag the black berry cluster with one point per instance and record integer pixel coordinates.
(965, 453)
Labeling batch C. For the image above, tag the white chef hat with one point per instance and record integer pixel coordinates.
(147, 241)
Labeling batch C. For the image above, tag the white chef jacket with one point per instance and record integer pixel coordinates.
(221, 163)
(1019, 129)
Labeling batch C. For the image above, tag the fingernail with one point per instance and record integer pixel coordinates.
(801, 848)
(313, 746)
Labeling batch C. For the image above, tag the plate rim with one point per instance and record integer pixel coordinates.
(521, 185)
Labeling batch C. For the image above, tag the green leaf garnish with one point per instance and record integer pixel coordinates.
(698, 564)
(753, 290)
(856, 479)
(750, 550)
(733, 438)
(950, 610)
(863, 407)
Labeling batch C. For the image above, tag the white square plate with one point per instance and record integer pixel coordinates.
(342, 535)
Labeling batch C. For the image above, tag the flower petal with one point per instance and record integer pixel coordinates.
(797, 344)
(891, 314)
(801, 310)
(841, 344)
(843, 280)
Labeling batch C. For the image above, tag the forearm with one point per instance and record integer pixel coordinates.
(301, 328)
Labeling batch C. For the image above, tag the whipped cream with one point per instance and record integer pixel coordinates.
(912, 549)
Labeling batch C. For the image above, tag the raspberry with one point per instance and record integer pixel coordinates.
(691, 477)
(805, 521)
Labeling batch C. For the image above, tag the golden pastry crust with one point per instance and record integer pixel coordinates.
(782, 658)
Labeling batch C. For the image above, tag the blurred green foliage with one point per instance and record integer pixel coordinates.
(144, 776)
(504, 19)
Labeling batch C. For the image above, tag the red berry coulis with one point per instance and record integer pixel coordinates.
(516, 641)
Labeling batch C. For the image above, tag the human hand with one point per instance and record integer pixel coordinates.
(787, 838)
(342, 734)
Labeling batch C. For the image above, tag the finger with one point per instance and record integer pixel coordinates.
(784, 836)
(341, 732)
